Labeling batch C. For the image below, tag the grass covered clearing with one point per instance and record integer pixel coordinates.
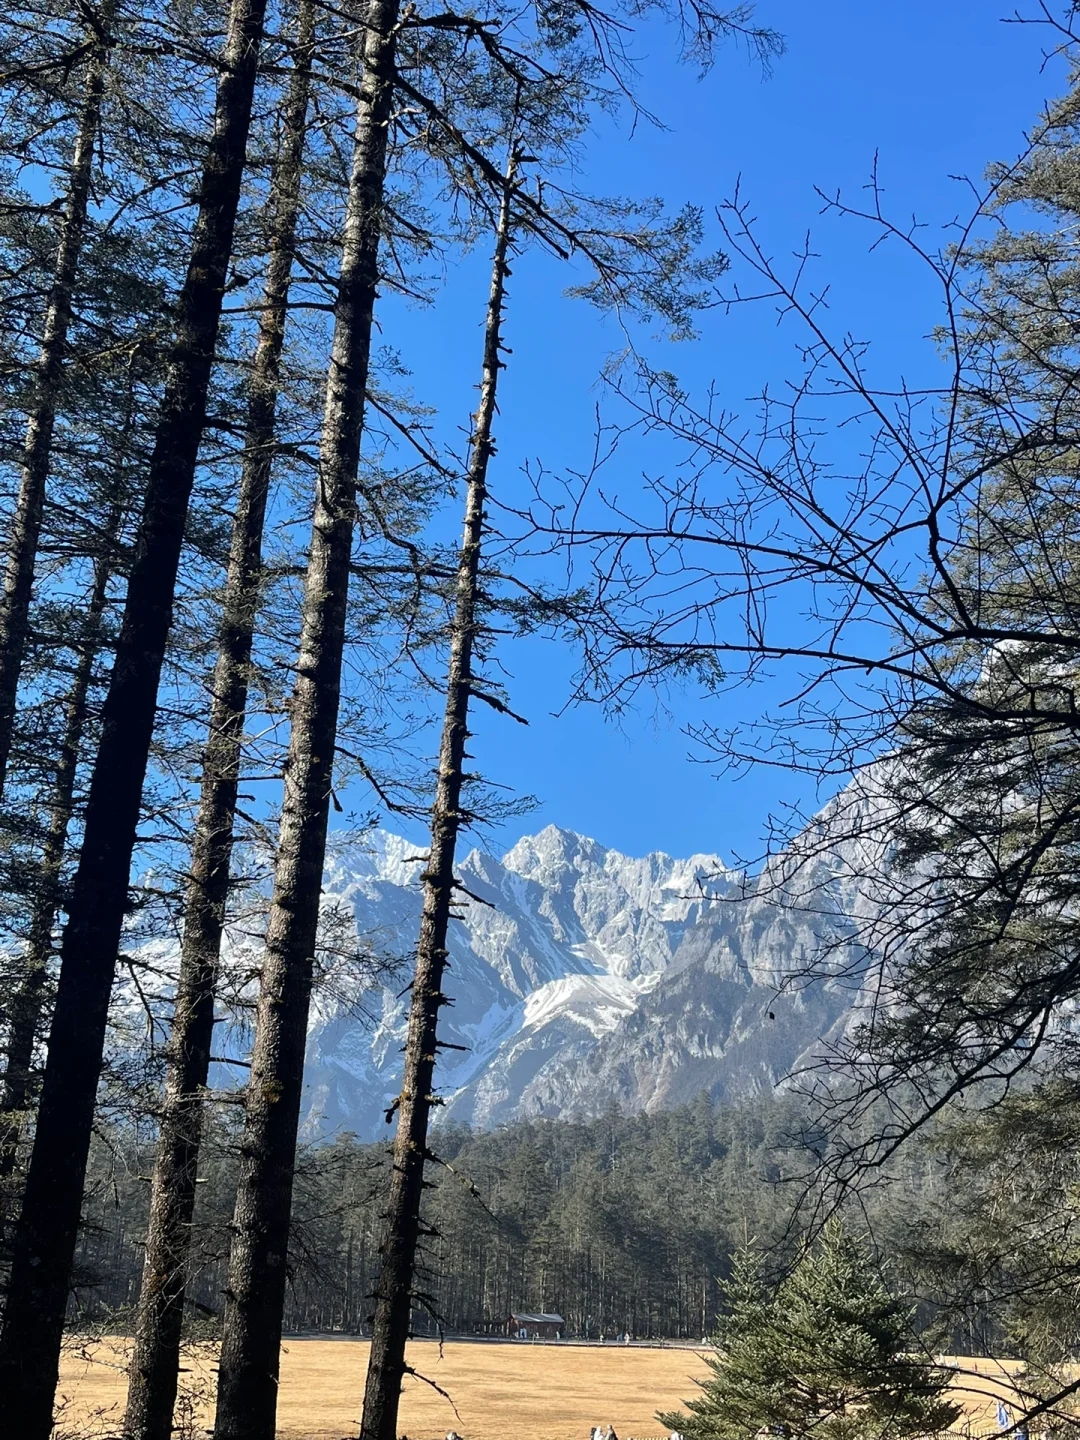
(529, 1392)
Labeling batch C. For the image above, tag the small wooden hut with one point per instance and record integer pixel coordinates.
(535, 1325)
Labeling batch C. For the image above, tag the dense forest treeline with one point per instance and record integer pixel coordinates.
(619, 1225)
(623, 1224)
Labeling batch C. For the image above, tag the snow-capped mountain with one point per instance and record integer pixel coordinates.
(578, 976)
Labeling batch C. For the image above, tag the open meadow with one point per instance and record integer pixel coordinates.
(527, 1392)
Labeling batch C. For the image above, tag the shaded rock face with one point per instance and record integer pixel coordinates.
(579, 977)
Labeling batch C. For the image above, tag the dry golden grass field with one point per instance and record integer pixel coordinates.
(528, 1392)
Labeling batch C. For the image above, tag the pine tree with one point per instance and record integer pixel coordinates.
(156, 1357)
(394, 1298)
(251, 1337)
(826, 1354)
(980, 926)
(25, 526)
(30, 997)
(45, 1241)
(99, 468)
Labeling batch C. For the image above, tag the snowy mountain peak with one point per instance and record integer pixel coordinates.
(380, 856)
(551, 849)
(548, 855)
(578, 974)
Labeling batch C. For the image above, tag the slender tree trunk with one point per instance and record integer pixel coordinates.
(247, 1386)
(152, 1377)
(45, 1243)
(29, 999)
(393, 1295)
(22, 544)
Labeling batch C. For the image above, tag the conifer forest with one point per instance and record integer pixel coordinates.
(265, 599)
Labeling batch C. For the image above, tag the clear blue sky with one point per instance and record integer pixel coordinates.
(938, 88)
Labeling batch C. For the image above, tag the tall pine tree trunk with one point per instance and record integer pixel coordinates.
(25, 531)
(45, 1241)
(29, 1000)
(393, 1295)
(251, 1342)
(155, 1361)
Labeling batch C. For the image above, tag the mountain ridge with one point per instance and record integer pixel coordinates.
(579, 977)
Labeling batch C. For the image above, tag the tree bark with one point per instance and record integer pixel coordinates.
(25, 531)
(251, 1342)
(45, 1242)
(152, 1376)
(393, 1295)
(29, 999)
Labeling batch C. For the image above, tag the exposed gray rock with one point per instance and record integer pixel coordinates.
(579, 977)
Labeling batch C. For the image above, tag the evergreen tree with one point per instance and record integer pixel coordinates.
(251, 1338)
(979, 930)
(25, 527)
(155, 1362)
(824, 1355)
(48, 1225)
(394, 1297)
(957, 659)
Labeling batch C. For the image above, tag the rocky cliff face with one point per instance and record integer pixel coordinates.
(579, 977)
